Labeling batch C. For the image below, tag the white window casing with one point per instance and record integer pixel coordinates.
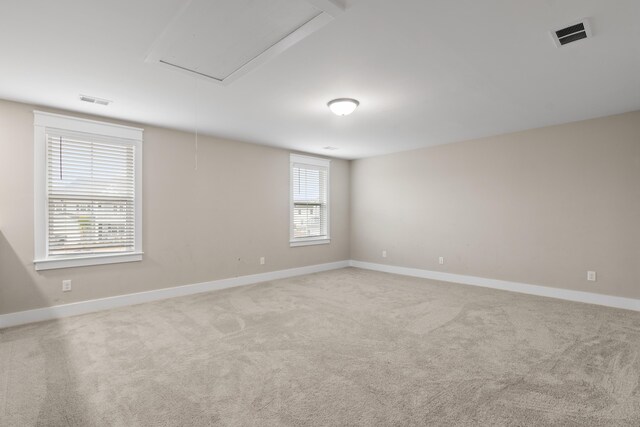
(309, 200)
(88, 192)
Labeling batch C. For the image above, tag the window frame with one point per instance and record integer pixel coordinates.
(311, 161)
(43, 121)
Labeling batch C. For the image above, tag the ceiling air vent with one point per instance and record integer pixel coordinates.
(94, 100)
(574, 32)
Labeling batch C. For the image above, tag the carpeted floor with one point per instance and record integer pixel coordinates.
(346, 347)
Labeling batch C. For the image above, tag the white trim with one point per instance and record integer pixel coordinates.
(138, 153)
(309, 242)
(309, 160)
(83, 261)
(524, 288)
(59, 121)
(42, 121)
(83, 307)
(39, 189)
(299, 159)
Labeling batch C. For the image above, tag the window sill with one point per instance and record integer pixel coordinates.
(86, 260)
(309, 242)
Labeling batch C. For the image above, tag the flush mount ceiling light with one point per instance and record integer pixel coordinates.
(343, 106)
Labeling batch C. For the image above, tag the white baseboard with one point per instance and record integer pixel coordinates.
(565, 294)
(83, 307)
(66, 310)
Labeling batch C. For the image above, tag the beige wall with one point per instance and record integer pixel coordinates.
(198, 225)
(540, 207)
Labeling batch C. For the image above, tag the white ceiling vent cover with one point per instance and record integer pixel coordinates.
(571, 33)
(94, 100)
(221, 40)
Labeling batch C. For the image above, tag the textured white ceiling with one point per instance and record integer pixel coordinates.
(426, 72)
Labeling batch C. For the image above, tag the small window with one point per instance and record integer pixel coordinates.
(309, 200)
(88, 192)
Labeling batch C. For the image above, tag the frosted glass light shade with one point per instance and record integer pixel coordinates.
(343, 106)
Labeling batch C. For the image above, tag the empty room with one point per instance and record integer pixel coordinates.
(319, 213)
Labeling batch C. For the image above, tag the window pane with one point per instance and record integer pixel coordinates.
(308, 220)
(90, 195)
(309, 192)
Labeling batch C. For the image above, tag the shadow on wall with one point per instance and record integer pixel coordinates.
(36, 363)
(17, 285)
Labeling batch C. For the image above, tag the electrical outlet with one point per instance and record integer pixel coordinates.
(262, 260)
(441, 260)
(591, 276)
(384, 254)
(66, 285)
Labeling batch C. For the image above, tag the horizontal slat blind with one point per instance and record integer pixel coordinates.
(90, 194)
(309, 200)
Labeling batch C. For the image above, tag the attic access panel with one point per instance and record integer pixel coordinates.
(221, 40)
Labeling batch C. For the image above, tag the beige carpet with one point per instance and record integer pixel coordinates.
(347, 347)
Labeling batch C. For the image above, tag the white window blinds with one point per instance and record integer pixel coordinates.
(90, 194)
(309, 198)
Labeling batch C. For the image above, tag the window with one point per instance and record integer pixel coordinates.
(309, 200)
(88, 200)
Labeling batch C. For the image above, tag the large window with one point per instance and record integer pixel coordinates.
(88, 192)
(309, 200)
